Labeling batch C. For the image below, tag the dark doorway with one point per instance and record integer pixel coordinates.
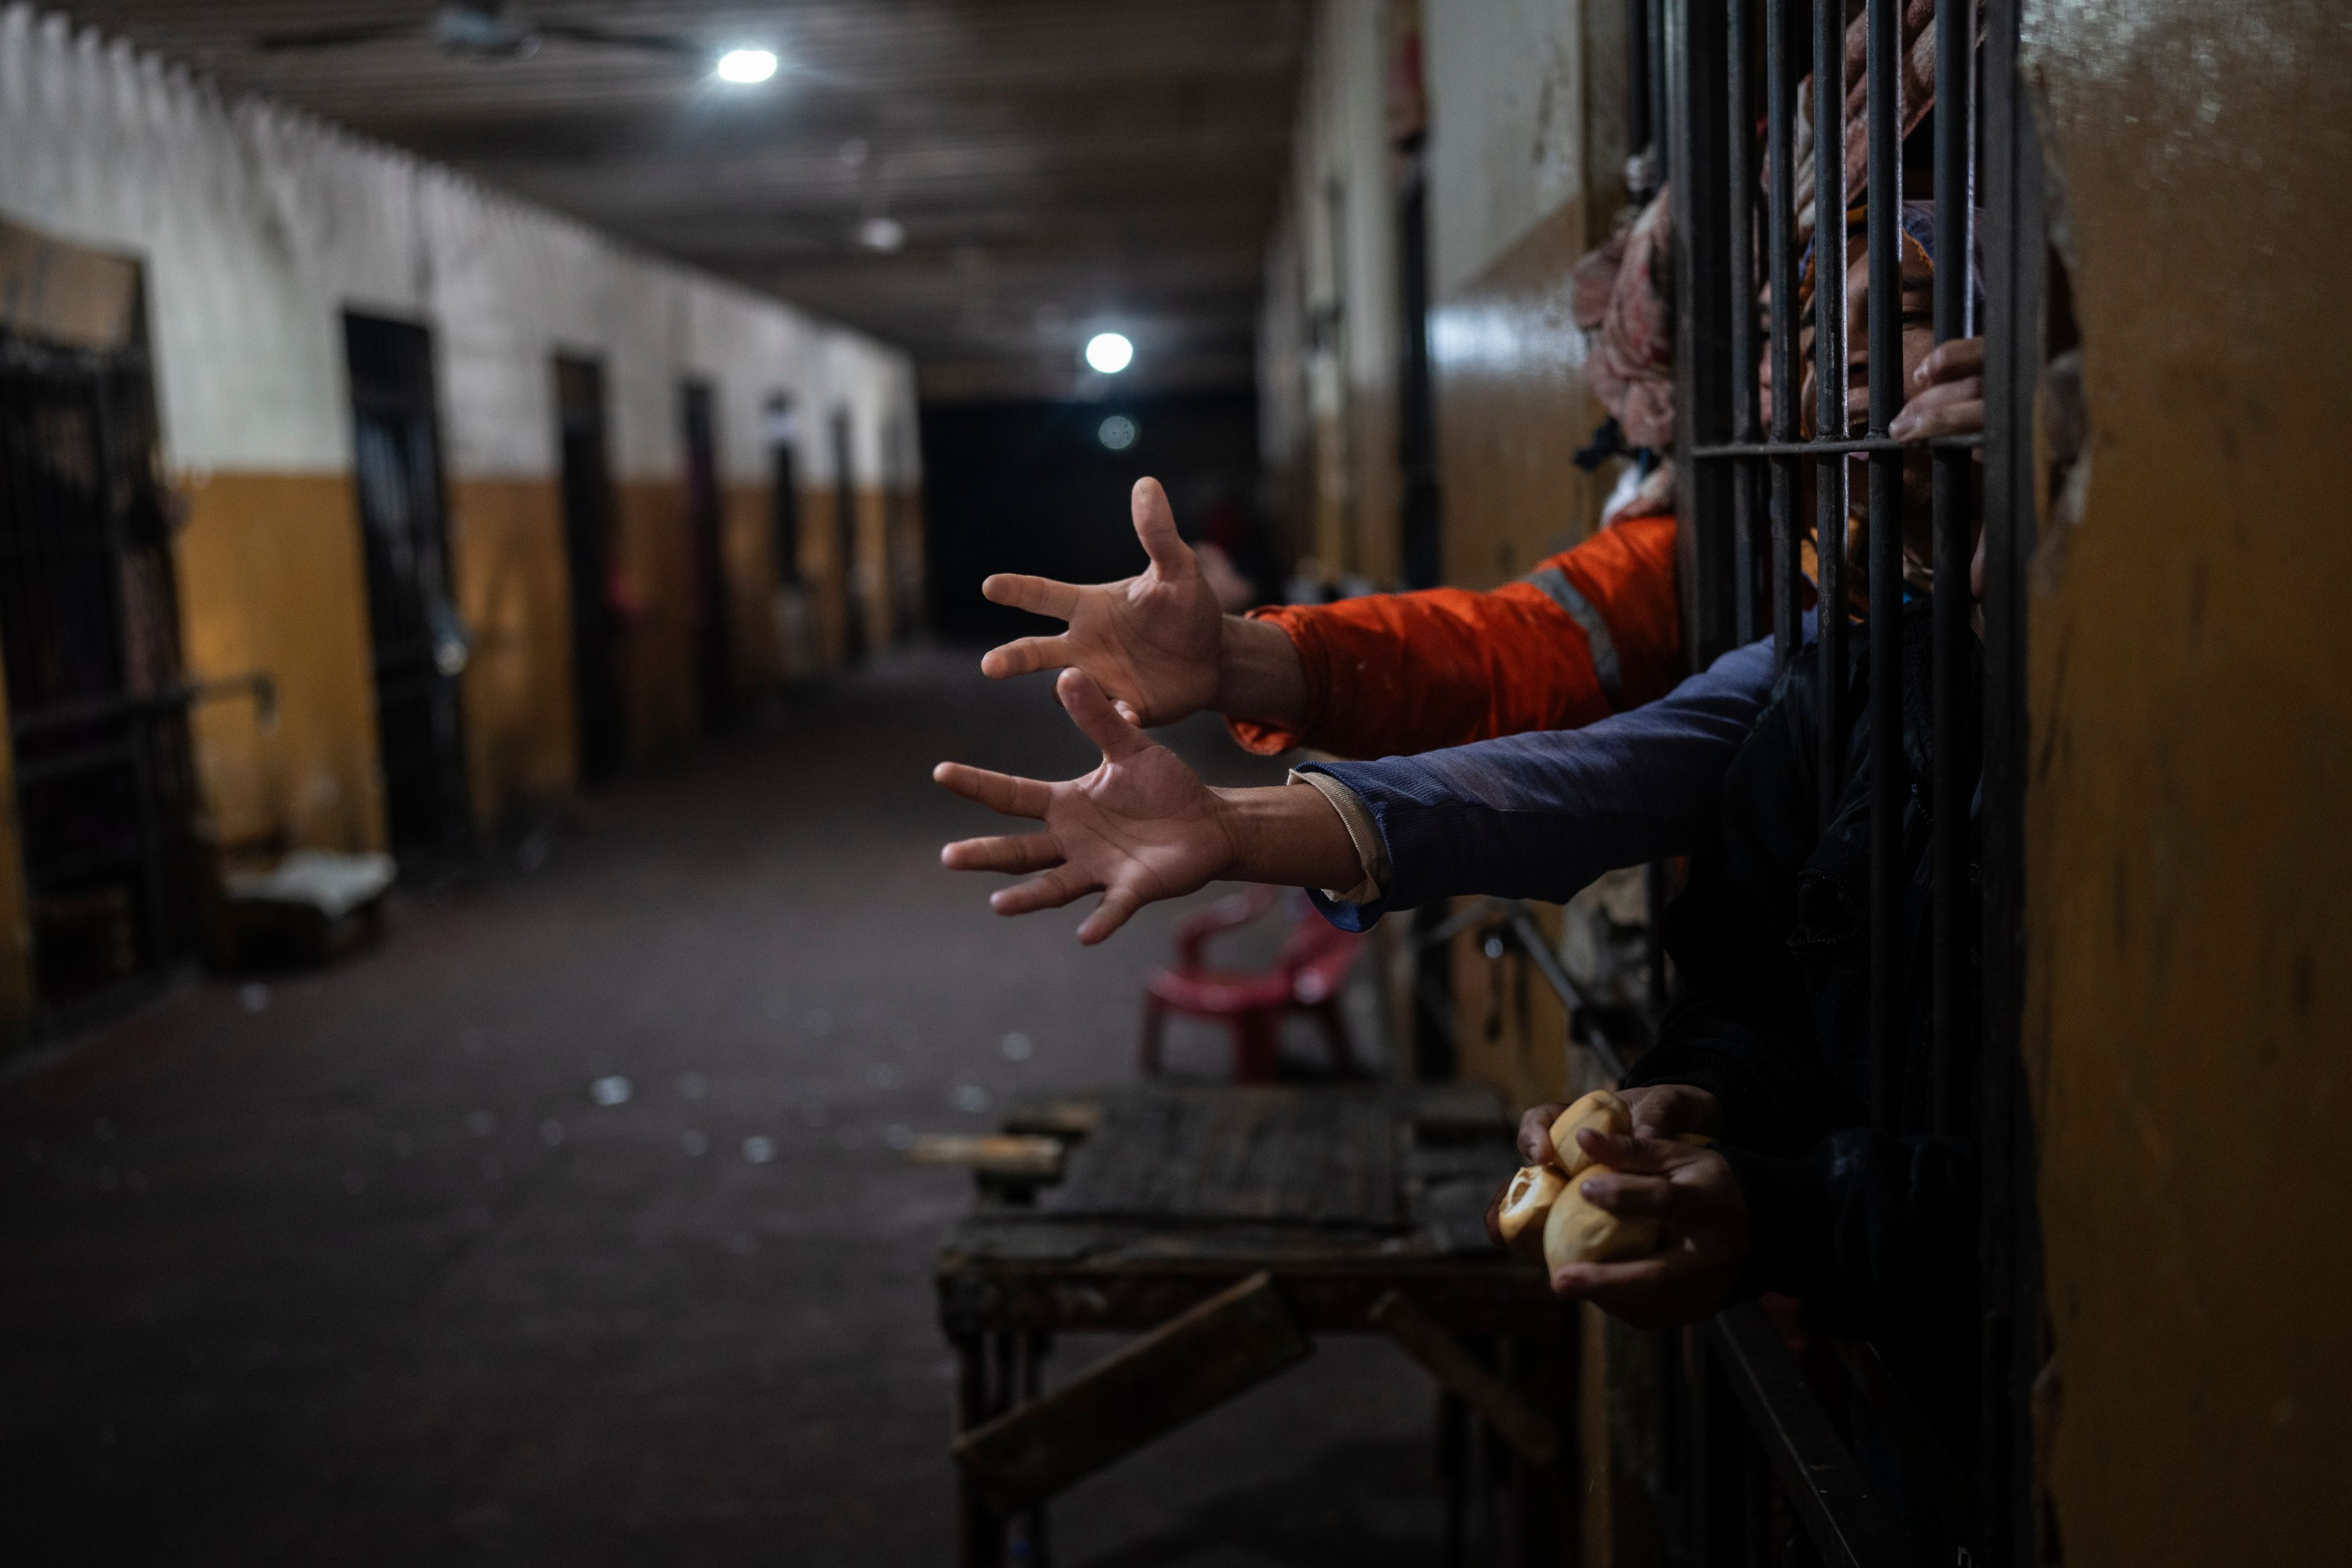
(845, 502)
(795, 626)
(1417, 402)
(714, 656)
(417, 644)
(588, 547)
(1040, 488)
(96, 706)
(783, 469)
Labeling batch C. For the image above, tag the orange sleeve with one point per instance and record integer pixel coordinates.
(1592, 631)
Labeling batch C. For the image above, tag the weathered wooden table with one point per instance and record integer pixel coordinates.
(1227, 1225)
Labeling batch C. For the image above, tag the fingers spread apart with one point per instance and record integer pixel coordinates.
(1038, 595)
(1155, 525)
(1118, 905)
(1050, 891)
(999, 791)
(1025, 656)
(1028, 852)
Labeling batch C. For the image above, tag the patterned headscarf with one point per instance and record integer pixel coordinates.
(1916, 82)
(1621, 296)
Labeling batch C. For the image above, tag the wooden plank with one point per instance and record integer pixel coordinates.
(1332, 1293)
(1066, 1120)
(1531, 1434)
(1318, 1157)
(1181, 1370)
(1021, 1159)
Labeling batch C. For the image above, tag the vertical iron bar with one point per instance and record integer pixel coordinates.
(1882, 34)
(1830, 378)
(2016, 254)
(1639, 113)
(1748, 473)
(1952, 784)
(1662, 118)
(1781, 229)
(1696, 36)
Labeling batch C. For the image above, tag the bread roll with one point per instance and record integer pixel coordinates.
(1526, 1202)
(1580, 1231)
(1603, 1110)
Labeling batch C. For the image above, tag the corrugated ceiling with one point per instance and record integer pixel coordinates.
(1055, 165)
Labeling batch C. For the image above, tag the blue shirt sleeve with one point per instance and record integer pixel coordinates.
(1540, 815)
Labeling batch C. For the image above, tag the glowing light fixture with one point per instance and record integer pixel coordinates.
(883, 233)
(1110, 352)
(744, 67)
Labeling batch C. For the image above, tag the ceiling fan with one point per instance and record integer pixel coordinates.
(476, 32)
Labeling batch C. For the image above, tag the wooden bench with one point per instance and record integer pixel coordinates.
(1228, 1226)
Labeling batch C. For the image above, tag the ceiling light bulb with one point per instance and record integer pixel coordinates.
(1110, 352)
(745, 66)
(883, 233)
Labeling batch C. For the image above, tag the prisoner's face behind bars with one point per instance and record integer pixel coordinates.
(1918, 339)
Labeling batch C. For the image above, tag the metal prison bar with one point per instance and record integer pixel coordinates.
(1752, 1415)
(1755, 1452)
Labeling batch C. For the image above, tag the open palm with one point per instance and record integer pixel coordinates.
(1140, 827)
(1150, 641)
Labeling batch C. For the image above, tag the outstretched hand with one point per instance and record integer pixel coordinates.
(1140, 827)
(1150, 642)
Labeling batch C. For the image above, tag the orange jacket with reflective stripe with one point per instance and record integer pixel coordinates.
(1591, 632)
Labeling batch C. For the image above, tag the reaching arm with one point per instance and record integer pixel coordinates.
(1155, 643)
(1141, 827)
(1541, 816)
(1591, 631)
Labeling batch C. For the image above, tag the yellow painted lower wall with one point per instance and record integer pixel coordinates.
(1512, 409)
(821, 572)
(2189, 862)
(272, 579)
(747, 549)
(874, 566)
(909, 558)
(513, 589)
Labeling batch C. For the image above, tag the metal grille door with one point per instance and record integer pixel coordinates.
(417, 642)
(97, 711)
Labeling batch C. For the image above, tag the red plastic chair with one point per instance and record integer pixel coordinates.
(1307, 977)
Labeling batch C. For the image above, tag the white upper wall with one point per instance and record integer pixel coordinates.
(1507, 89)
(257, 225)
(1342, 204)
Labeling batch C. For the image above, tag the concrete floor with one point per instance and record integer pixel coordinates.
(353, 1268)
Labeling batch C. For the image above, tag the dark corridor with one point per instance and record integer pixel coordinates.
(356, 1268)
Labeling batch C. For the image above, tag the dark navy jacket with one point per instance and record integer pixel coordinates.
(1875, 1231)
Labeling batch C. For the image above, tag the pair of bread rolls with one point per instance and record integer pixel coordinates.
(1545, 1212)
